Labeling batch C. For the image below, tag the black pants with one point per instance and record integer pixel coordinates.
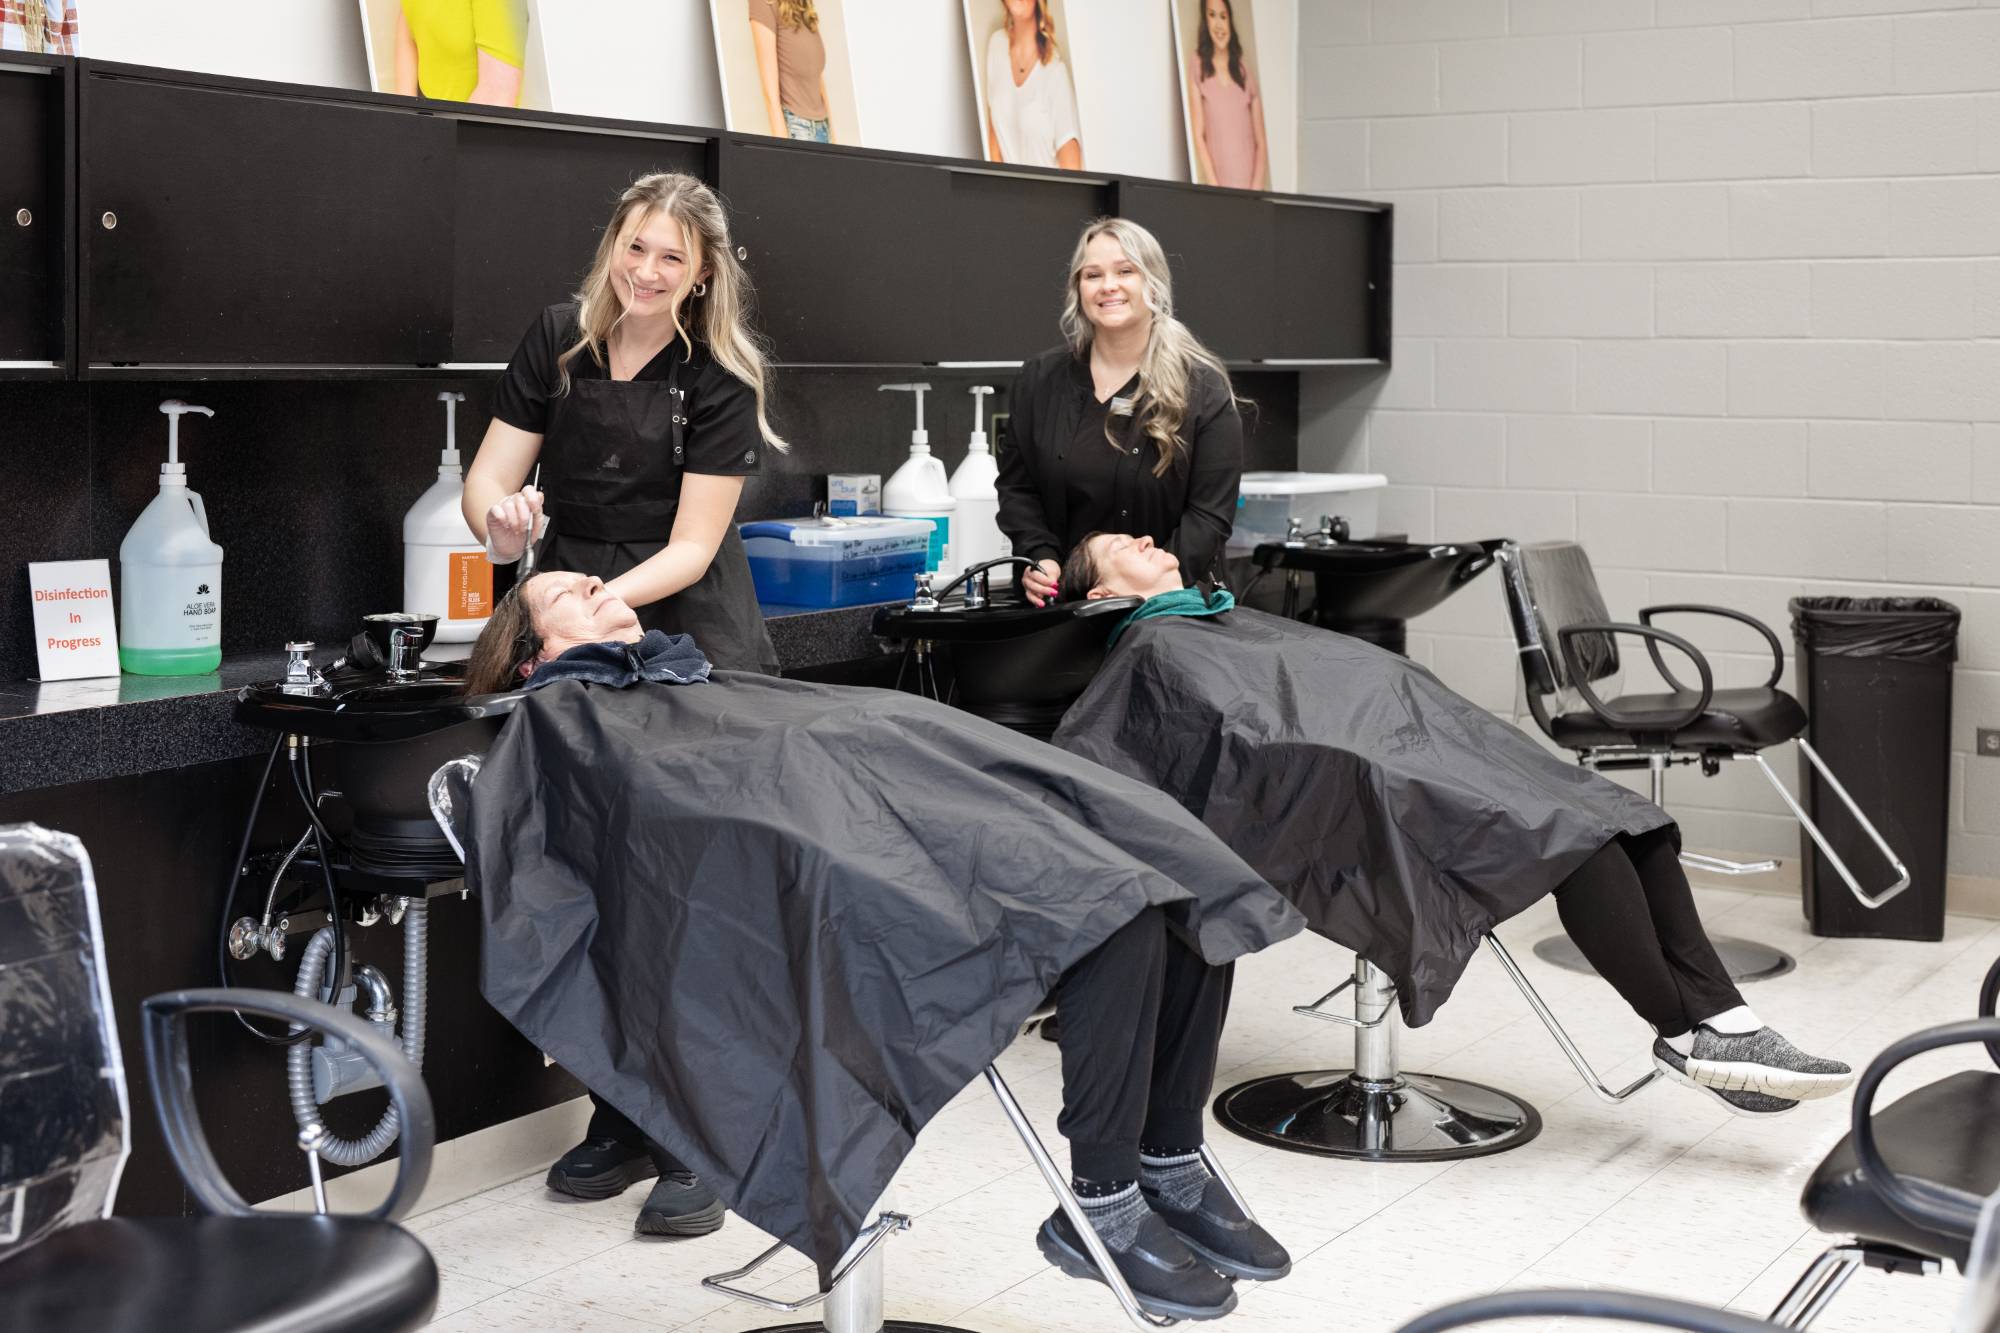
(1141, 1020)
(1630, 910)
(608, 1122)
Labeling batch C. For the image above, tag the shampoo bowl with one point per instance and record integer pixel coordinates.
(1371, 588)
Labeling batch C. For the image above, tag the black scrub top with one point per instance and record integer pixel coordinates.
(612, 458)
(1062, 479)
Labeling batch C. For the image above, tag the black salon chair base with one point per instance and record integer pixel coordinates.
(888, 1326)
(1407, 1118)
(211, 1274)
(1746, 960)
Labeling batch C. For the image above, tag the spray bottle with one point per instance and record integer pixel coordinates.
(170, 575)
(974, 486)
(445, 569)
(919, 489)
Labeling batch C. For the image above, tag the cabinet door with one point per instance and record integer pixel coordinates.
(1219, 245)
(845, 252)
(235, 228)
(1325, 282)
(531, 204)
(31, 216)
(1007, 248)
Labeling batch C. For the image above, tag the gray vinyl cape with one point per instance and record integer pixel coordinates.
(780, 925)
(1404, 820)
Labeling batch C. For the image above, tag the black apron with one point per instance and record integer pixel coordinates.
(612, 462)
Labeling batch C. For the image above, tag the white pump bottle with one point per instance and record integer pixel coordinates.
(920, 489)
(170, 575)
(445, 569)
(975, 487)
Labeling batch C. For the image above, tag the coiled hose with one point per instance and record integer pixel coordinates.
(298, 1060)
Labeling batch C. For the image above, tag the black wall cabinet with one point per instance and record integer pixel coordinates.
(33, 215)
(1329, 282)
(1006, 250)
(240, 228)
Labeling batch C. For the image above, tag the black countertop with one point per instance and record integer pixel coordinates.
(85, 730)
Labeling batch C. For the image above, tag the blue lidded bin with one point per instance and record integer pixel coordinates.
(836, 561)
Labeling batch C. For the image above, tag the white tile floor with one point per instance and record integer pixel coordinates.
(1664, 1194)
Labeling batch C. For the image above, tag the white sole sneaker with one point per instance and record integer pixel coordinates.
(1743, 1103)
(1788, 1084)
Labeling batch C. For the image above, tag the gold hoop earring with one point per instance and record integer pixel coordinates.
(700, 289)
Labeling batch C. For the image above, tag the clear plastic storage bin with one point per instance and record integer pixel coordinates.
(1270, 498)
(836, 562)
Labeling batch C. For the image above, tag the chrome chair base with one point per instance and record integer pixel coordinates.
(890, 1326)
(1407, 1118)
(1747, 960)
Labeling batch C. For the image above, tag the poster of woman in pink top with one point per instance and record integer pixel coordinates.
(1225, 110)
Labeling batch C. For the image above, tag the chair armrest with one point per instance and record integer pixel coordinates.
(1989, 992)
(164, 1017)
(1646, 615)
(1924, 1206)
(1623, 1306)
(1567, 636)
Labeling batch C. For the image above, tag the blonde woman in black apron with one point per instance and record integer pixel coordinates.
(642, 402)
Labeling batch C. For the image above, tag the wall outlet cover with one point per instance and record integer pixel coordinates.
(1989, 741)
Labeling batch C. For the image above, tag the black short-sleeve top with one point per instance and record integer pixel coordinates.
(722, 436)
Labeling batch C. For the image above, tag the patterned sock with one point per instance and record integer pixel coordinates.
(1177, 1175)
(1115, 1209)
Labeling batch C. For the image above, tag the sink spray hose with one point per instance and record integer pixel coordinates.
(298, 1060)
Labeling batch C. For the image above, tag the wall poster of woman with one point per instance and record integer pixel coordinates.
(785, 69)
(1021, 62)
(1225, 105)
(454, 51)
(45, 26)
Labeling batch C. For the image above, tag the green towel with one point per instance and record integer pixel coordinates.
(1184, 602)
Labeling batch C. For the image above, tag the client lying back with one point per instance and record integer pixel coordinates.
(1406, 821)
(780, 925)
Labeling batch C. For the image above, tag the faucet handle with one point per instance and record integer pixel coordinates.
(925, 600)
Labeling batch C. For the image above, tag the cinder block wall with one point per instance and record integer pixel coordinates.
(1712, 286)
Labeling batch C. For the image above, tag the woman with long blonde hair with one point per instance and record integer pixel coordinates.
(643, 403)
(1129, 426)
(1030, 101)
(791, 68)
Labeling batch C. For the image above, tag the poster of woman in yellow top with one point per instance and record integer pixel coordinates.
(481, 51)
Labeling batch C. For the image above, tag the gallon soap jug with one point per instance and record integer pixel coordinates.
(445, 569)
(974, 486)
(170, 575)
(920, 489)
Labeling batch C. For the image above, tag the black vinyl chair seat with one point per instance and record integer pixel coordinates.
(1744, 721)
(1940, 1135)
(273, 1274)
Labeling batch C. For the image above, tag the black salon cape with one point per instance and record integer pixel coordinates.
(780, 925)
(1404, 820)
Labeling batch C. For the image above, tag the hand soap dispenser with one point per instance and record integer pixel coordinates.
(170, 575)
(445, 569)
(974, 486)
(920, 489)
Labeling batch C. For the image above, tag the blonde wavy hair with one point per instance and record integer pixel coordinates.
(1167, 368)
(1045, 28)
(720, 316)
(798, 14)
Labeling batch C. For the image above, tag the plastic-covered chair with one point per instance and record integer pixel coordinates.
(65, 1263)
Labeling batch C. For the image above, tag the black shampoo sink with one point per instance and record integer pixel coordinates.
(1365, 588)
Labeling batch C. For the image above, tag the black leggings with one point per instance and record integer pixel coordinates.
(1141, 1020)
(1630, 910)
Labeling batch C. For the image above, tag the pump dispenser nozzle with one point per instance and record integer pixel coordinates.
(918, 437)
(979, 392)
(175, 409)
(449, 459)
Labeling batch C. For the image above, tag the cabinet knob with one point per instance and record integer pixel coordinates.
(23, 218)
(742, 252)
(110, 221)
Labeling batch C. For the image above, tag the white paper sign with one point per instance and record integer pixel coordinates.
(76, 630)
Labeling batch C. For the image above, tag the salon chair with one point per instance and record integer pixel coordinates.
(1568, 643)
(852, 1301)
(65, 1262)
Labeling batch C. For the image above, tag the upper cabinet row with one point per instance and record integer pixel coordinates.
(216, 224)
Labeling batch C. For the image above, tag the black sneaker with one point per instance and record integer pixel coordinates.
(680, 1205)
(1164, 1274)
(599, 1168)
(1216, 1229)
(1751, 1105)
(1762, 1061)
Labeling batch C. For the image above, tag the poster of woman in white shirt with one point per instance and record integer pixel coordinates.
(1021, 76)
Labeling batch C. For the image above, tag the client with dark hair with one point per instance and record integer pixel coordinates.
(781, 924)
(1406, 821)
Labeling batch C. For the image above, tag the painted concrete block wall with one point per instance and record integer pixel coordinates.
(1713, 288)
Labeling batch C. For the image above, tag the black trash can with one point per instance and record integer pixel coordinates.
(1875, 677)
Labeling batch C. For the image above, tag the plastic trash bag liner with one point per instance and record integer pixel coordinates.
(63, 1139)
(1404, 820)
(780, 925)
(1909, 629)
(1979, 1309)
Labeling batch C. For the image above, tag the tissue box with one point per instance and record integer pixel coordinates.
(853, 494)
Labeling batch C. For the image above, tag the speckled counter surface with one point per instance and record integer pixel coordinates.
(84, 730)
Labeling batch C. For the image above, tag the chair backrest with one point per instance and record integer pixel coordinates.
(63, 1101)
(1550, 587)
(451, 798)
(1979, 1310)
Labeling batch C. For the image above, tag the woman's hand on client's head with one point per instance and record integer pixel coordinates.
(1042, 582)
(509, 522)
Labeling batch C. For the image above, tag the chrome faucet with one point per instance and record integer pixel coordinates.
(403, 650)
(975, 590)
(300, 675)
(924, 601)
(1333, 530)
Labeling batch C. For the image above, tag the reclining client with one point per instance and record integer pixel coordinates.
(781, 924)
(1406, 821)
